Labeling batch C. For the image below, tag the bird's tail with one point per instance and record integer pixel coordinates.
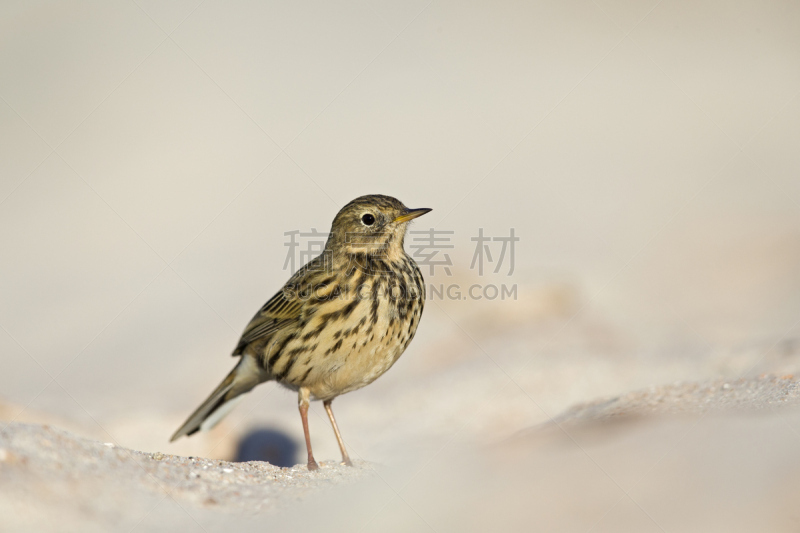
(225, 397)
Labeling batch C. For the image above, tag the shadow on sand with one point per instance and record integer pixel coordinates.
(269, 445)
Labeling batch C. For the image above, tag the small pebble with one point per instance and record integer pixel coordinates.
(108, 444)
(227, 470)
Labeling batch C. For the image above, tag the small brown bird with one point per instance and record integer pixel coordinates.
(337, 325)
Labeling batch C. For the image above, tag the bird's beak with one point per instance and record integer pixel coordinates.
(410, 214)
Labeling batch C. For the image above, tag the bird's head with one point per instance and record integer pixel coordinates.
(373, 225)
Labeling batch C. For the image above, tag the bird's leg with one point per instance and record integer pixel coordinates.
(345, 457)
(302, 400)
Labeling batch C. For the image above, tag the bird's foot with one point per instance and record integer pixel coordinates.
(312, 465)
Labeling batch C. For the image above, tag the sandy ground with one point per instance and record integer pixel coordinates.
(717, 455)
(55, 479)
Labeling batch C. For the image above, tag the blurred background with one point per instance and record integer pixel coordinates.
(154, 154)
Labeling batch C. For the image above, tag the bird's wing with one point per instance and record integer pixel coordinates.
(282, 310)
(285, 309)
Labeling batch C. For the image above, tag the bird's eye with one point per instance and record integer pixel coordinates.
(368, 219)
